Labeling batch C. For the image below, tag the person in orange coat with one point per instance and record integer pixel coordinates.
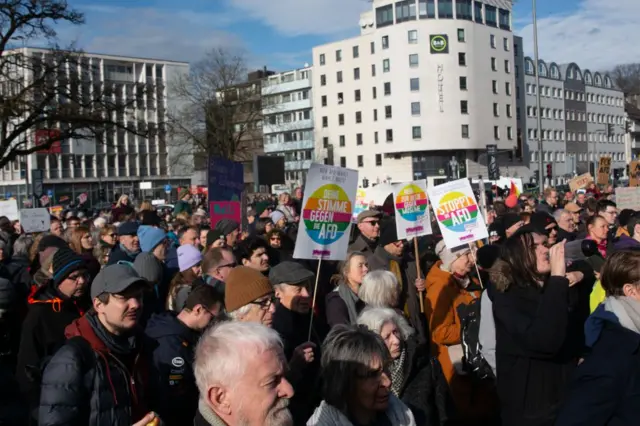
(449, 284)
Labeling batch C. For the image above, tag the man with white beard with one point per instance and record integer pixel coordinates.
(239, 369)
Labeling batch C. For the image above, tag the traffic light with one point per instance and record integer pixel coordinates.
(549, 170)
(536, 174)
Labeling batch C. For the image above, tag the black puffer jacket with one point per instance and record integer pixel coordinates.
(103, 384)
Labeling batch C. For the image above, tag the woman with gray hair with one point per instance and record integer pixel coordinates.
(416, 377)
(380, 289)
(356, 386)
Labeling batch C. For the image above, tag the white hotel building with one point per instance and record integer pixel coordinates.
(118, 165)
(424, 81)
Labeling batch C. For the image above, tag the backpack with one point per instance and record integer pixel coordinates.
(473, 362)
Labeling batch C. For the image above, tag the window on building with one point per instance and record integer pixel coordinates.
(496, 110)
(356, 51)
(464, 107)
(360, 161)
(384, 16)
(464, 9)
(323, 80)
(358, 138)
(416, 132)
(375, 115)
(373, 47)
(356, 73)
(465, 131)
(461, 35)
(477, 10)
(387, 89)
(413, 36)
(507, 88)
(462, 59)
(385, 42)
(493, 65)
(357, 95)
(339, 76)
(496, 132)
(508, 110)
(505, 19)
(375, 93)
(324, 100)
(505, 44)
(325, 121)
(325, 142)
(342, 140)
(386, 65)
(405, 11)
(338, 55)
(415, 108)
(341, 119)
(445, 9)
(375, 137)
(340, 98)
(463, 83)
(507, 66)
(413, 60)
(389, 134)
(322, 59)
(490, 15)
(414, 84)
(388, 111)
(373, 70)
(358, 117)
(494, 86)
(378, 159)
(492, 41)
(343, 162)
(427, 9)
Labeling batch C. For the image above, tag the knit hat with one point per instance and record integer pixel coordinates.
(388, 233)
(212, 236)
(150, 237)
(150, 218)
(276, 215)
(448, 256)
(65, 262)
(261, 206)
(243, 286)
(45, 257)
(183, 193)
(148, 267)
(188, 256)
(227, 226)
(51, 241)
(128, 228)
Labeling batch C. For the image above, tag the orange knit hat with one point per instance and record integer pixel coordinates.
(243, 286)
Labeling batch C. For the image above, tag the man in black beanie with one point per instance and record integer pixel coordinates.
(52, 308)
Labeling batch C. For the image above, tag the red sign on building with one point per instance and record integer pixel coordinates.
(43, 136)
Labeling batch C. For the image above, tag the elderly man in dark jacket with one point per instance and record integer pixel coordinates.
(369, 232)
(390, 255)
(128, 246)
(99, 376)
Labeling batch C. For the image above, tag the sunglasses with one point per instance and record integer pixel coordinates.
(373, 222)
(266, 303)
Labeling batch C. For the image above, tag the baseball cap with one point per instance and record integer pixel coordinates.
(115, 279)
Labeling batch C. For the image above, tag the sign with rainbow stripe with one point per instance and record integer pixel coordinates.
(412, 209)
(457, 213)
(327, 209)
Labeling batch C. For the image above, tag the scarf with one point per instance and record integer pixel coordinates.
(328, 415)
(602, 246)
(626, 309)
(350, 299)
(129, 253)
(208, 415)
(120, 345)
(397, 373)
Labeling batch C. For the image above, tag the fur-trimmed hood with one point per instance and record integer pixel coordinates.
(500, 274)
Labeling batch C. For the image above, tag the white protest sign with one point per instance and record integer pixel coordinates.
(35, 220)
(9, 208)
(412, 209)
(628, 198)
(325, 221)
(457, 213)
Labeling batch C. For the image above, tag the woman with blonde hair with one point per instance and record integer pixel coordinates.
(146, 206)
(343, 304)
(81, 243)
(123, 208)
(108, 236)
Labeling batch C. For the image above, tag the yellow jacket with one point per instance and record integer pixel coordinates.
(597, 296)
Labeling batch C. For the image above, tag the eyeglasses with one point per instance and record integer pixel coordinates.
(373, 222)
(266, 303)
(228, 265)
(76, 277)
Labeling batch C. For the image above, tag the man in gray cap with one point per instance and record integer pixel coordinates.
(128, 246)
(369, 227)
(230, 229)
(293, 285)
(102, 344)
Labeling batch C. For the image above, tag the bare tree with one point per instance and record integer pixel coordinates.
(47, 96)
(220, 111)
(627, 78)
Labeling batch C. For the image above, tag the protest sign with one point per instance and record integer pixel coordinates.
(580, 182)
(604, 170)
(457, 213)
(9, 208)
(628, 198)
(361, 203)
(327, 209)
(35, 220)
(412, 209)
(219, 210)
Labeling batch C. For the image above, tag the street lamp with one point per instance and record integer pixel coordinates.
(539, 115)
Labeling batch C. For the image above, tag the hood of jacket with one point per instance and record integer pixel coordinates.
(500, 275)
(594, 324)
(47, 294)
(167, 324)
(626, 243)
(328, 415)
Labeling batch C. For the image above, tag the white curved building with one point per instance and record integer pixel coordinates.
(425, 80)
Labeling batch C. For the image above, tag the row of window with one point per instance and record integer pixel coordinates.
(573, 72)
(554, 92)
(360, 161)
(285, 98)
(468, 10)
(558, 135)
(560, 156)
(570, 115)
(287, 117)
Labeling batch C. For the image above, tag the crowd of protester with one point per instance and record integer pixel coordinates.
(133, 316)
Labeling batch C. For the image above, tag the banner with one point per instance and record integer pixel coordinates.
(35, 220)
(604, 170)
(580, 182)
(226, 180)
(361, 203)
(457, 213)
(412, 209)
(9, 208)
(628, 198)
(219, 210)
(327, 209)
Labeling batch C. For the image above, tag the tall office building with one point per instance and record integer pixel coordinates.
(122, 160)
(582, 113)
(424, 82)
(288, 121)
